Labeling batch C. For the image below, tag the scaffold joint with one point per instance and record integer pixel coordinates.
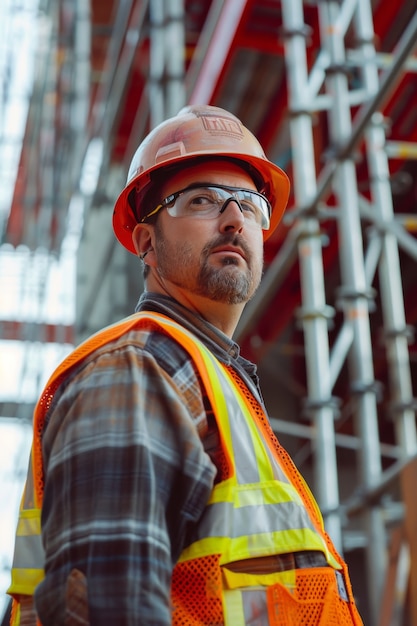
(360, 388)
(310, 406)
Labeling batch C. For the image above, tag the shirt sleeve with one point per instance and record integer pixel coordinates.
(127, 477)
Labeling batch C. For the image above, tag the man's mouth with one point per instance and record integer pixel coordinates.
(230, 251)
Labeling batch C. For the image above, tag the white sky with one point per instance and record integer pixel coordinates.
(35, 286)
(17, 44)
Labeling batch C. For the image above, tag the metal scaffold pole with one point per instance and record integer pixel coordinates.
(355, 294)
(167, 57)
(396, 332)
(326, 86)
(313, 312)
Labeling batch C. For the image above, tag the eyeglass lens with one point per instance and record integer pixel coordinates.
(207, 202)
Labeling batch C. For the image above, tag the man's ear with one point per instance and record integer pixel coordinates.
(142, 238)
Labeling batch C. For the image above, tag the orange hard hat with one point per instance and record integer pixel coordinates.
(198, 132)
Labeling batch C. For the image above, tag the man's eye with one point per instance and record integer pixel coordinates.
(202, 201)
(248, 207)
(199, 200)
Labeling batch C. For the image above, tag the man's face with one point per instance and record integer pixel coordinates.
(219, 258)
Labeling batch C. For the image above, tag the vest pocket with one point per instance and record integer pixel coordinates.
(318, 599)
(311, 596)
(245, 599)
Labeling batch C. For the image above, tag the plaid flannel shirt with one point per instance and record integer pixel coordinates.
(130, 461)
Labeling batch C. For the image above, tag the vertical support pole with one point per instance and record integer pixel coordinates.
(156, 63)
(396, 335)
(166, 80)
(354, 295)
(81, 85)
(48, 135)
(389, 269)
(314, 311)
(175, 53)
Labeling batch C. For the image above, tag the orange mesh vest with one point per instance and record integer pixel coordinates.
(263, 508)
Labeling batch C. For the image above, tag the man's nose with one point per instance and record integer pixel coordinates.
(233, 217)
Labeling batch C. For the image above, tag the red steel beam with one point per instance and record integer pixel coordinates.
(219, 50)
(48, 333)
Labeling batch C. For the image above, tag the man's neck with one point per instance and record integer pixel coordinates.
(223, 316)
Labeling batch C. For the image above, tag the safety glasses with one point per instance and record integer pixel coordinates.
(205, 201)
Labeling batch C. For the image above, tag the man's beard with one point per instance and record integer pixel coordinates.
(229, 284)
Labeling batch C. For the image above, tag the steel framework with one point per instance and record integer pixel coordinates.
(112, 70)
(326, 86)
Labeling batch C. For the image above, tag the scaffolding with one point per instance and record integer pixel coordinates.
(352, 113)
(326, 87)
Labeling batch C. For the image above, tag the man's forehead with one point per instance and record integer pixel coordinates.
(213, 171)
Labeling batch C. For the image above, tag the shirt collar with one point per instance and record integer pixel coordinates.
(224, 348)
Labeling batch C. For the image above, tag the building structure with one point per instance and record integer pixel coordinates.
(330, 89)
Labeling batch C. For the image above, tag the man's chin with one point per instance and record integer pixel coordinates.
(228, 285)
(219, 262)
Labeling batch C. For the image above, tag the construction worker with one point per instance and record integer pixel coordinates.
(158, 489)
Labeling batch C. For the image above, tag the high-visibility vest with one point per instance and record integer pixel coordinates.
(262, 509)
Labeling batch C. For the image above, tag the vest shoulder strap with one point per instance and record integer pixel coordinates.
(111, 333)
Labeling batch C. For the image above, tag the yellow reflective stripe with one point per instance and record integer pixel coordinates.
(261, 454)
(234, 417)
(29, 522)
(26, 572)
(262, 544)
(267, 492)
(233, 611)
(220, 407)
(226, 519)
(234, 580)
(223, 492)
(25, 581)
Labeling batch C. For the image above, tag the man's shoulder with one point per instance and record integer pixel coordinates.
(118, 349)
(144, 332)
